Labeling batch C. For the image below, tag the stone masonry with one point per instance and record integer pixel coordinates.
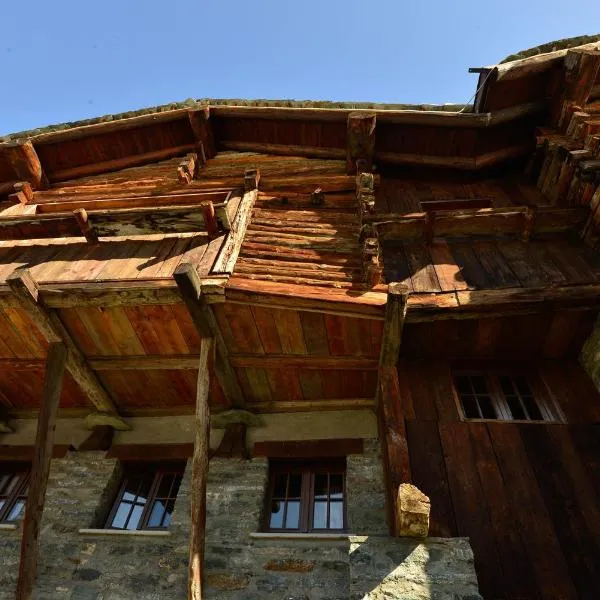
(367, 565)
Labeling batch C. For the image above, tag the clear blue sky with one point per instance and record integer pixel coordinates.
(64, 60)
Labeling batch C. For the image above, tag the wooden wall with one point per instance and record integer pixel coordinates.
(527, 495)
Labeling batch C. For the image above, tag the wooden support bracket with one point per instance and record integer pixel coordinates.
(210, 220)
(25, 163)
(22, 193)
(51, 327)
(199, 120)
(188, 167)
(372, 261)
(233, 444)
(44, 442)
(360, 141)
(99, 439)
(87, 229)
(251, 179)
(189, 284)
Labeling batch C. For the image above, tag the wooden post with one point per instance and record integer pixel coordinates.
(25, 162)
(360, 141)
(199, 474)
(200, 123)
(392, 429)
(87, 230)
(55, 368)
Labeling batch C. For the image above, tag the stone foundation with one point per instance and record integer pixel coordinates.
(238, 566)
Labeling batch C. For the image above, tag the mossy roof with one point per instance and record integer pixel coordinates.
(563, 44)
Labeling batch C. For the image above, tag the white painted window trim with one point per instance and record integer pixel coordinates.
(125, 532)
(8, 527)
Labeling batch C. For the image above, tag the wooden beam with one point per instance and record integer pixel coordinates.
(285, 149)
(190, 286)
(199, 474)
(360, 140)
(340, 447)
(395, 315)
(50, 326)
(100, 439)
(233, 443)
(85, 225)
(44, 442)
(199, 120)
(25, 163)
(225, 262)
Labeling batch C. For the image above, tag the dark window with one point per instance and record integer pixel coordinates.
(491, 394)
(146, 498)
(14, 481)
(306, 496)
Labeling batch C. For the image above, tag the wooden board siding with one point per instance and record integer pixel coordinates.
(525, 494)
(450, 265)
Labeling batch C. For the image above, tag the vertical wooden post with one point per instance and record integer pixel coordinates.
(199, 474)
(392, 430)
(44, 441)
(360, 141)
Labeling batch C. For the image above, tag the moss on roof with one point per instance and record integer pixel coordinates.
(192, 103)
(553, 46)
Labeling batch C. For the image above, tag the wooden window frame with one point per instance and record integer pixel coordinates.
(19, 492)
(546, 404)
(308, 469)
(156, 472)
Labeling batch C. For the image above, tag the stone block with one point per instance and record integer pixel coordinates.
(412, 512)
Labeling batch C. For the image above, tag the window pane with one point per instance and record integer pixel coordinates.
(280, 485)
(532, 408)
(156, 516)
(463, 385)
(295, 485)
(168, 513)
(8, 483)
(165, 485)
(121, 515)
(516, 409)
(336, 486)
(136, 515)
(2, 503)
(470, 407)
(276, 519)
(479, 384)
(522, 385)
(336, 515)
(16, 510)
(487, 408)
(320, 515)
(292, 519)
(321, 486)
(506, 384)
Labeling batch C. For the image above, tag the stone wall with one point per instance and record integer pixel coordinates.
(239, 564)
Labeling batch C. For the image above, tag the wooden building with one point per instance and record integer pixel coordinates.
(313, 279)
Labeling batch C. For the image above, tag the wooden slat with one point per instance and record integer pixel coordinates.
(40, 470)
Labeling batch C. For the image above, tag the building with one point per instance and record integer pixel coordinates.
(387, 315)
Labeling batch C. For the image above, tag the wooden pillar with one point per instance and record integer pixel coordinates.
(392, 429)
(25, 163)
(55, 368)
(199, 474)
(360, 141)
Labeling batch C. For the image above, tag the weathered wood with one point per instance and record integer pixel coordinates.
(55, 366)
(233, 443)
(25, 163)
(309, 448)
(395, 315)
(190, 287)
(360, 140)
(284, 149)
(85, 225)
(285, 361)
(225, 262)
(50, 326)
(200, 123)
(199, 474)
(100, 439)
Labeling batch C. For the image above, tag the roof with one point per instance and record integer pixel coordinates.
(563, 44)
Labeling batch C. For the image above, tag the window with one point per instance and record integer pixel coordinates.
(502, 395)
(306, 497)
(14, 481)
(146, 497)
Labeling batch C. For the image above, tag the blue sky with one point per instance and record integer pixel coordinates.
(65, 60)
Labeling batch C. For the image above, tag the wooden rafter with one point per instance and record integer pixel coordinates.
(199, 474)
(51, 327)
(44, 442)
(392, 429)
(190, 287)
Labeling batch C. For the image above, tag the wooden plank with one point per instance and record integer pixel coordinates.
(470, 508)
(199, 475)
(225, 262)
(530, 514)
(290, 331)
(284, 361)
(44, 441)
(48, 322)
(447, 271)
(315, 334)
(422, 271)
(203, 317)
(497, 270)
(309, 448)
(267, 329)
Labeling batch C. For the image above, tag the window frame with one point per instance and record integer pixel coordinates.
(545, 402)
(308, 470)
(156, 472)
(22, 470)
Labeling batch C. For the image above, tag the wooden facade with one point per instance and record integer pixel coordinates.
(277, 233)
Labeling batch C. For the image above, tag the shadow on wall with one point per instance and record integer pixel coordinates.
(409, 569)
